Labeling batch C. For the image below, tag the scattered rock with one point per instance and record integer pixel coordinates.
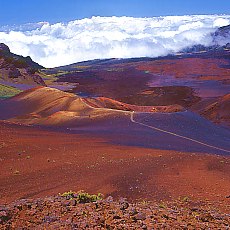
(4, 216)
(73, 202)
(124, 205)
(133, 211)
(207, 217)
(60, 213)
(50, 219)
(65, 203)
(140, 216)
(109, 199)
(116, 217)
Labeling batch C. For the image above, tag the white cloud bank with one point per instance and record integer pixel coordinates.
(111, 37)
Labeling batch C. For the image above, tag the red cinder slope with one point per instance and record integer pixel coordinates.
(218, 111)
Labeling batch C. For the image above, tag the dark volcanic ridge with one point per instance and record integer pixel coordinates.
(220, 42)
(15, 69)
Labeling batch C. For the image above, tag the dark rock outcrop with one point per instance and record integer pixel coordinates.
(18, 69)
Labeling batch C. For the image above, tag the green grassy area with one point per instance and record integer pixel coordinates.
(51, 78)
(8, 91)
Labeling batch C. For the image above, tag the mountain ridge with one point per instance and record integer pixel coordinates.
(16, 69)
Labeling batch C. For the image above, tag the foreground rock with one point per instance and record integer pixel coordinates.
(65, 212)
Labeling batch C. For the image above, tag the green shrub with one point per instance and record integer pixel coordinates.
(82, 197)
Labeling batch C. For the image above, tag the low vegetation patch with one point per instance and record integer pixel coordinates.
(8, 91)
(82, 197)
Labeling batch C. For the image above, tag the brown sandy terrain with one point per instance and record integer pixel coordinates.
(37, 162)
(47, 106)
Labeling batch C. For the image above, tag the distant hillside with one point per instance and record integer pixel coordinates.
(15, 69)
(220, 41)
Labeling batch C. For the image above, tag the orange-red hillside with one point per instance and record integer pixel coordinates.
(50, 106)
(218, 111)
(103, 102)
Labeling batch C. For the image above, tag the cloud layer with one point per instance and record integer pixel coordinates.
(59, 44)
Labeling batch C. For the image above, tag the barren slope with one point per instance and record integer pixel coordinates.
(47, 106)
(37, 162)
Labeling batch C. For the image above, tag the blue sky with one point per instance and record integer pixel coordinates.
(25, 11)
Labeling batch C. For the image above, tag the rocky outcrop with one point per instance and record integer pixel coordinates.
(222, 32)
(62, 212)
(18, 69)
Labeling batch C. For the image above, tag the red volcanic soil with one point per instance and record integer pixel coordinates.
(205, 68)
(187, 80)
(37, 162)
(103, 102)
(215, 109)
(208, 77)
(126, 84)
(218, 111)
(47, 106)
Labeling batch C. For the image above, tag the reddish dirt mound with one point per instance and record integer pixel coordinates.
(50, 106)
(218, 111)
(103, 102)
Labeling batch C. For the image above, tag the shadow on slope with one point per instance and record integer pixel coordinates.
(52, 107)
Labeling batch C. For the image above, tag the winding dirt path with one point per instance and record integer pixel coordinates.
(158, 129)
(177, 135)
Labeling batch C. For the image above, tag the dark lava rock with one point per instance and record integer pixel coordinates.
(4, 48)
(124, 205)
(65, 203)
(206, 217)
(4, 216)
(133, 211)
(116, 217)
(109, 199)
(50, 219)
(140, 216)
(73, 202)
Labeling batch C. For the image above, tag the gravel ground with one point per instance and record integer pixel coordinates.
(65, 212)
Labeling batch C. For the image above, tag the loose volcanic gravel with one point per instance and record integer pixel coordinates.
(65, 212)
